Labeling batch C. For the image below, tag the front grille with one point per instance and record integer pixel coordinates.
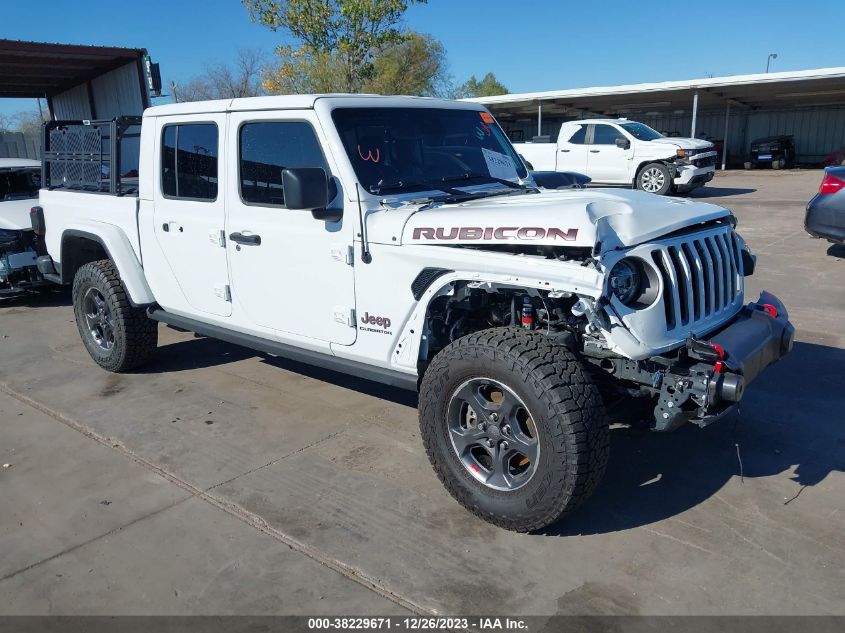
(705, 162)
(701, 277)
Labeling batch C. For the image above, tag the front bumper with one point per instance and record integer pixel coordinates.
(713, 373)
(689, 176)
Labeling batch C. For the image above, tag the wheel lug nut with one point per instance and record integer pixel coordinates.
(489, 443)
(504, 446)
(494, 416)
(506, 429)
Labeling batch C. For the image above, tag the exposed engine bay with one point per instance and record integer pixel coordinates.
(684, 385)
(18, 252)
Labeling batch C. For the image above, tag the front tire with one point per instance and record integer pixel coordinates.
(655, 178)
(118, 336)
(514, 427)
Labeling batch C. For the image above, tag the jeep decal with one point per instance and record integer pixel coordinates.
(494, 233)
(382, 324)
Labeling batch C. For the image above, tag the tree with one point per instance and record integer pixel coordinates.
(225, 81)
(345, 34)
(416, 66)
(27, 122)
(487, 87)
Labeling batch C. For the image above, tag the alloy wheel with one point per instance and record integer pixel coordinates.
(493, 434)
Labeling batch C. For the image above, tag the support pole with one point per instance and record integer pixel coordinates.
(539, 119)
(725, 136)
(694, 112)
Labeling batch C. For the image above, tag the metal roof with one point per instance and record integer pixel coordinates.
(39, 69)
(823, 86)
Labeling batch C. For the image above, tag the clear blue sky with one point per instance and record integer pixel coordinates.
(529, 44)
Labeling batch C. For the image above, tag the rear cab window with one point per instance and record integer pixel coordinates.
(189, 166)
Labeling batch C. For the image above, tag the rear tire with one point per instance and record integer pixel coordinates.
(655, 178)
(118, 336)
(550, 441)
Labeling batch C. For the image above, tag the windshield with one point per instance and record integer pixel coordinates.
(641, 131)
(19, 184)
(420, 149)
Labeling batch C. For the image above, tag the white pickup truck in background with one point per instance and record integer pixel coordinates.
(623, 152)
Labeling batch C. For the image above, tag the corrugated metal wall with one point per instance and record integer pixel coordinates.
(117, 93)
(17, 145)
(816, 131)
(73, 104)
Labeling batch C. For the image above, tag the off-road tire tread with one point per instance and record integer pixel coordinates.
(139, 332)
(574, 409)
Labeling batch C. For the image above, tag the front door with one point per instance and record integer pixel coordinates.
(290, 272)
(607, 162)
(189, 210)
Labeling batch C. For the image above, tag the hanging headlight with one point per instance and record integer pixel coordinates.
(626, 281)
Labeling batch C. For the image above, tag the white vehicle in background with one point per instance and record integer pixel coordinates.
(402, 240)
(623, 152)
(19, 182)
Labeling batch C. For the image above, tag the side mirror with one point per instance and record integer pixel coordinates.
(623, 143)
(305, 188)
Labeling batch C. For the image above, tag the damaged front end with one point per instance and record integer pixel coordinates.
(19, 251)
(705, 379)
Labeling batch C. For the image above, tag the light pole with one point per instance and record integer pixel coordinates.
(769, 60)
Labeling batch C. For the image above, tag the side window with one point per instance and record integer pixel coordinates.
(580, 137)
(189, 161)
(268, 147)
(606, 135)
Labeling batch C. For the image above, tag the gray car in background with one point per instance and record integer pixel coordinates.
(826, 211)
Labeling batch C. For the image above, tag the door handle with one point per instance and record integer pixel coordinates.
(594, 151)
(564, 150)
(249, 239)
(172, 225)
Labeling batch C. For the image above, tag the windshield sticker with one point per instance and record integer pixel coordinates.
(500, 165)
(487, 117)
(374, 157)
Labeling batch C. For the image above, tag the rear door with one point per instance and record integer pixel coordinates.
(606, 161)
(189, 210)
(572, 151)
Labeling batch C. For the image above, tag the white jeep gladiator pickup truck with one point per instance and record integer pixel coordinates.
(401, 240)
(623, 152)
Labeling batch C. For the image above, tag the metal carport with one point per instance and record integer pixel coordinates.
(809, 104)
(78, 82)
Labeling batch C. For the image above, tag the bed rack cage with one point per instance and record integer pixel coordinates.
(95, 156)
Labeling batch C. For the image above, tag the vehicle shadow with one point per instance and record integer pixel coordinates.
(201, 352)
(718, 192)
(51, 297)
(836, 250)
(790, 421)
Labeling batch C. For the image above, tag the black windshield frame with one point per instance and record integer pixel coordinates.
(423, 147)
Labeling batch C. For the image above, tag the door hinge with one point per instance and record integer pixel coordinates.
(218, 237)
(223, 291)
(345, 254)
(345, 315)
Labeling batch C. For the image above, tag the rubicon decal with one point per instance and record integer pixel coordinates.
(382, 324)
(501, 233)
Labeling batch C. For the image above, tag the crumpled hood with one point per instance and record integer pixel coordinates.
(615, 217)
(684, 143)
(14, 214)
